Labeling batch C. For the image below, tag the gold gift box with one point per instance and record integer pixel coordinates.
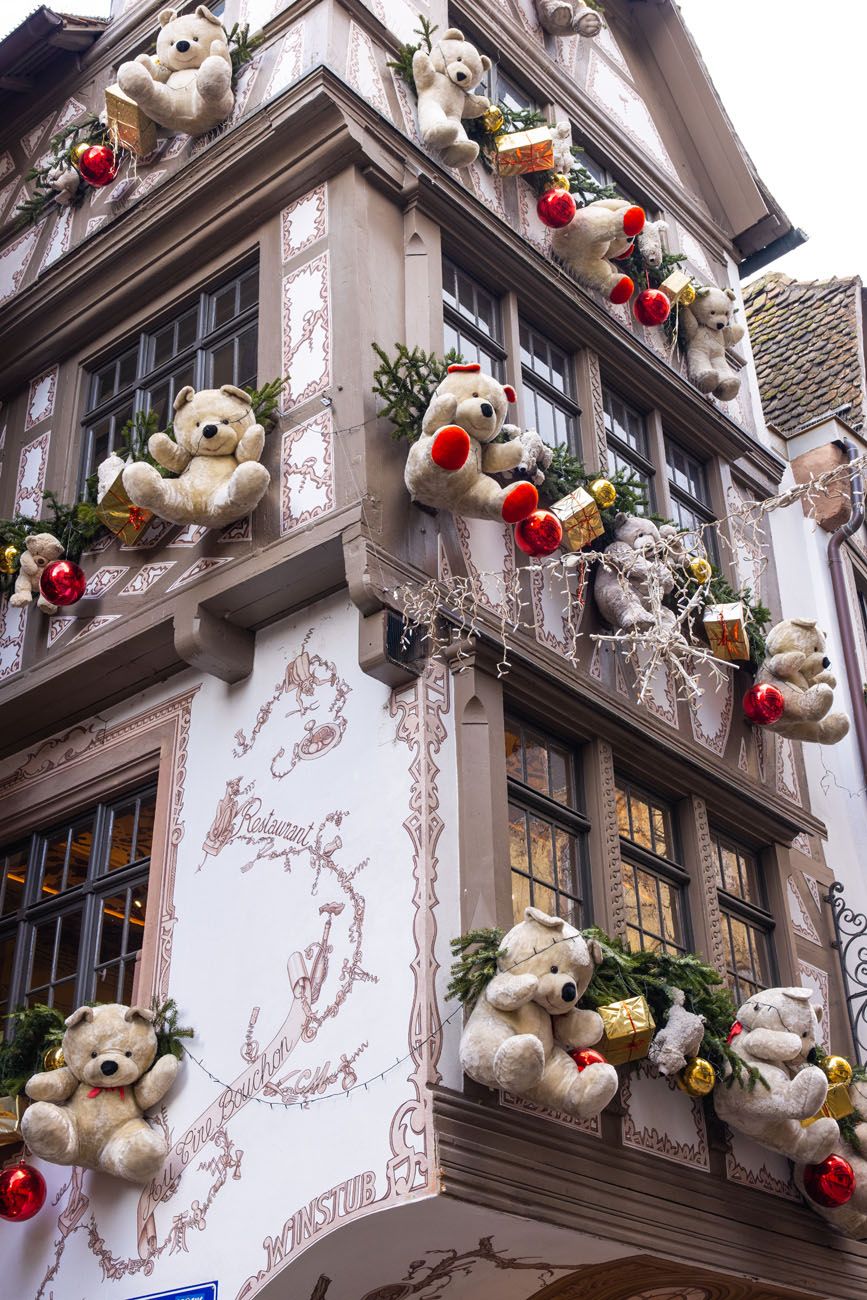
(11, 1110)
(725, 629)
(580, 517)
(678, 287)
(120, 516)
(519, 152)
(130, 127)
(838, 1105)
(629, 1027)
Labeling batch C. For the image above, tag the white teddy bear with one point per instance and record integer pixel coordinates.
(708, 330)
(216, 456)
(598, 232)
(778, 1031)
(568, 18)
(634, 563)
(66, 182)
(649, 242)
(797, 665)
(526, 1022)
(850, 1218)
(40, 549)
(188, 87)
(444, 81)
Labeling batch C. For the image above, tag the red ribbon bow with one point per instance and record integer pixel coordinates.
(94, 1092)
(737, 1028)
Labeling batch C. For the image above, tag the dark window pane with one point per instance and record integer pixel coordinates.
(163, 346)
(7, 955)
(542, 851)
(138, 902)
(127, 368)
(14, 880)
(55, 863)
(248, 357)
(42, 964)
(113, 916)
(249, 294)
(122, 837)
(69, 946)
(63, 997)
(223, 305)
(103, 384)
(188, 328)
(80, 845)
(223, 364)
(145, 833)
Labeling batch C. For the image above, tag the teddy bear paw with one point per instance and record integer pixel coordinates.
(461, 154)
(728, 389)
(816, 1142)
(807, 1092)
(519, 1063)
(622, 290)
(134, 79)
(521, 500)
(587, 23)
(49, 1132)
(20, 598)
(450, 447)
(591, 1090)
(135, 1152)
(705, 380)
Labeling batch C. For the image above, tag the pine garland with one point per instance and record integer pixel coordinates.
(473, 971)
(89, 131)
(266, 402)
(406, 384)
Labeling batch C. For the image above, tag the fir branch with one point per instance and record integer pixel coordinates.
(36, 1029)
(406, 384)
(167, 1029)
(242, 46)
(403, 63)
(473, 971)
(88, 131)
(266, 402)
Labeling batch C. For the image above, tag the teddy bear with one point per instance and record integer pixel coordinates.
(188, 86)
(598, 232)
(851, 1218)
(635, 563)
(775, 1031)
(521, 1030)
(568, 17)
(216, 456)
(89, 1112)
(797, 665)
(40, 549)
(450, 464)
(444, 80)
(66, 182)
(708, 330)
(678, 1039)
(650, 243)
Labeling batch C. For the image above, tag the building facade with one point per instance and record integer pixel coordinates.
(221, 782)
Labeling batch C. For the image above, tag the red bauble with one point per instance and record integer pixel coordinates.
(587, 1056)
(97, 165)
(62, 582)
(763, 704)
(651, 307)
(556, 208)
(22, 1192)
(539, 534)
(830, 1183)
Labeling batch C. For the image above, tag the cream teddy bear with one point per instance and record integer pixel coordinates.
(708, 330)
(444, 81)
(526, 1022)
(40, 549)
(849, 1219)
(598, 232)
(216, 456)
(797, 665)
(634, 563)
(188, 87)
(778, 1030)
(568, 17)
(89, 1112)
(449, 466)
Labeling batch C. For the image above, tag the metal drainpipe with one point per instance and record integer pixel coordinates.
(841, 601)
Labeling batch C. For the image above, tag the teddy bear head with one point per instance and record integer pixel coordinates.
(482, 402)
(805, 637)
(636, 531)
(43, 548)
(212, 421)
(109, 1046)
(713, 307)
(785, 1010)
(649, 242)
(458, 60)
(185, 42)
(557, 957)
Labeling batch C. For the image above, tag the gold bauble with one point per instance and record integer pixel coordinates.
(493, 121)
(837, 1069)
(700, 569)
(687, 295)
(603, 492)
(54, 1058)
(78, 150)
(8, 558)
(559, 181)
(697, 1078)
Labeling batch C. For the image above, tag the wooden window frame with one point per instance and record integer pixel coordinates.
(661, 866)
(756, 916)
(637, 460)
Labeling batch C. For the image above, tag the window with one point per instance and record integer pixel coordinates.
(503, 89)
(626, 435)
(548, 387)
(747, 924)
(546, 829)
(471, 321)
(690, 497)
(212, 339)
(73, 907)
(653, 883)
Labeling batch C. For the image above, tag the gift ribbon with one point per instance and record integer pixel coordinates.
(737, 1028)
(727, 638)
(94, 1092)
(634, 1043)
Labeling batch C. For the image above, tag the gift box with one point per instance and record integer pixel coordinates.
(129, 126)
(678, 287)
(838, 1104)
(629, 1027)
(120, 516)
(726, 632)
(11, 1110)
(580, 517)
(519, 152)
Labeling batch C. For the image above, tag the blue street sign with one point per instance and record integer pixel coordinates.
(201, 1291)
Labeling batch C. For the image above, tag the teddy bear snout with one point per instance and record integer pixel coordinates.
(109, 1067)
(569, 992)
(487, 410)
(210, 431)
(182, 46)
(826, 662)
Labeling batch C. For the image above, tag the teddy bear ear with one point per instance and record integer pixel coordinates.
(203, 12)
(485, 62)
(594, 947)
(702, 293)
(167, 16)
(511, 395)
(82, 1014)
(183, 397)
(453, 34)
(141, 1013)
(803, 622)
(231, 391)
(797, 995)
(536, 914)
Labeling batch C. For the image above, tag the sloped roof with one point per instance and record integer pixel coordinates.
(38, 44)
(808, 346)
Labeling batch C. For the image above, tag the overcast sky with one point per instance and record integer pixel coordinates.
(790, 74)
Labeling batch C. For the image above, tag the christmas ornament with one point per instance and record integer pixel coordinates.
(518, 152)
(77, 151)
(129, 126)
(580, 517)
(838, 1104)
(556, 208)
(98, 165)
(539, 534)
(120, 516)
(9, 558)
(54, 1058)
(22, 1192)
(603, 492)
(678, 288)
(697, 1078)
(763, 704)
(700, 569)
(11, 1110)
(585, 1056)
(62, 582)
(629, 1027)
(560, 181)
(837, 1069)
(725, 629)
(493, 121)
(651, 308)
(830, 1183)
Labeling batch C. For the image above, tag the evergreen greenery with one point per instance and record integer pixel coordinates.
(242, 46)
(62, 145)
(758, 616)
(406, 383)
(167, 1029)
(266, 402)
(403, 63)
(473, 970)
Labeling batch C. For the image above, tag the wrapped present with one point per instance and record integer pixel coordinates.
(11, 1110)
(726, 632)
(580, 517)
(130, 127)
(629, 1027)
(519, 152)
(838, 1104)
(678, 287)
(120, 516)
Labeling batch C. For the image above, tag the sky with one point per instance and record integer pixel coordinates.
(791, 82)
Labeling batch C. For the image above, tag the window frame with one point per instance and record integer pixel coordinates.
(563, 400)
(463, 325)
(660, 866)
(704, 510)
(756, 916)
(637, 460)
